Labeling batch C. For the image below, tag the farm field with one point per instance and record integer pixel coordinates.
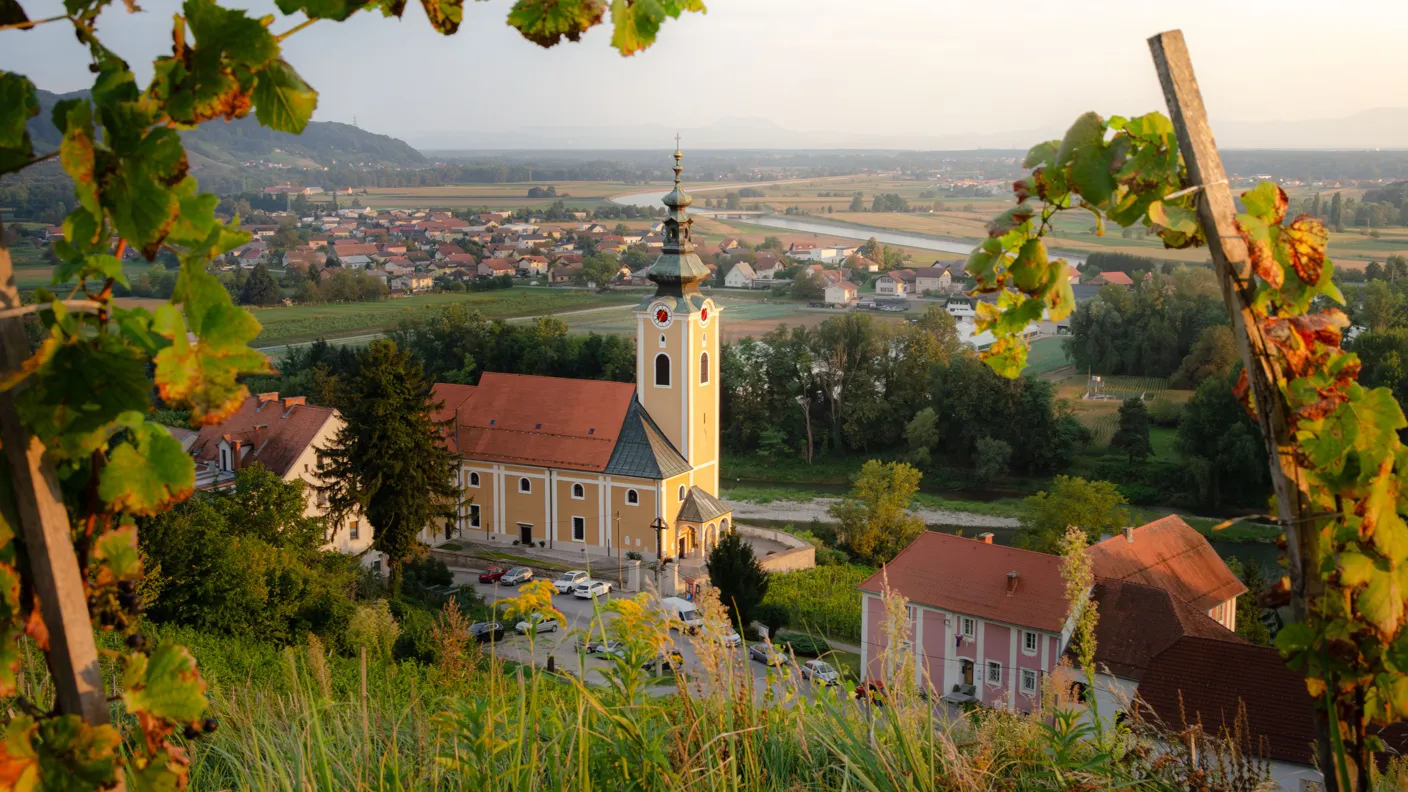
(708, 232)
(509, 195)
(1046, 354)
(283, 325)
(1101, 416)
(744, 316)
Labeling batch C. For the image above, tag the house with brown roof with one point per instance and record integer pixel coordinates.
(895, 283)
(283, 435)
(1116, 278)
(596, 466)
(986, 622)
(1169, 554)
(494, 267)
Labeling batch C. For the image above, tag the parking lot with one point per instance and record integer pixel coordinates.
(561, 645)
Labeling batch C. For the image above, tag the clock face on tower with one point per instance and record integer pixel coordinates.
(706, 313)
(662, 317)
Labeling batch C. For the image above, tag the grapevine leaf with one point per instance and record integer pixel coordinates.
(1267, 202)
(203, 373)
(1050, 184)
(1172, 217)
(60, 752)
(982, 265)
(1092, 173)
(1030, 270)
(635, 24)
(116, 551)
(80, 389)
(1007, 357)
(445, 15)
(19, 102)
(1295, 639)
(138, 193)
(1042, 154)
(1257, 234)
(1011, 220)
(197, 218)
(165, 772)
(1327, 446)
(11, 628)
(1355, 569)
(19, 764)
(81, 230)
(1061, 298)
(78, 157)
(164, 684)
(336, 10)
(1088, 130)
(1382, 601)
(546, 22)
(229, 35)
(11, 13)
(282, 100)
(1306, 238)
(146, 475)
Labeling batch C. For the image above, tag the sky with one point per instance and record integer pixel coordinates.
(826, 72)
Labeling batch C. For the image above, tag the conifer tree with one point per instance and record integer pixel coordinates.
(260, 288)
(735, 572)
(389, 461)
(1132, 436)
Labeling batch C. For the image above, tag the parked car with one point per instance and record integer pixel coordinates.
(570, 580)
(871, 691)
(666, 661)
(767, 654)
(611, 648)
(820, 672)
(591, 589)
(492, 574)
(729, 639)
(536, 623)
(685, 613)
(588, 644)
(484, 632)
(516, 576)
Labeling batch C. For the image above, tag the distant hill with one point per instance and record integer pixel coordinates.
(216, 143)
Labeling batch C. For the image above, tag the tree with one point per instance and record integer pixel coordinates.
(1373, 271)
(857, 203)
(1222, 447)
(922, 434)
(600, 268)
(772, 243)
(874, 520)
(1096, 507)
(260, 288)
(873, 250)
(809, 285)
(740, 579)
(389, 461)
(990, 459)
(1380, 306)
(1213, 355)
(772, 616)
(1132, 436)
(1337, 212)
(1249, 620)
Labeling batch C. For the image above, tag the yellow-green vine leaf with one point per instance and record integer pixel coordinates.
(1007, 357)
(145, 476)
(982, 265)
(83, 386)
(1267, 202)
(58, 753)
(11, 628)
(282, 100)
(445, 15)
(19, 102)
(1382, 601)
(1060, 298)
(1088, 130)
(164, 684)
(1030, 270)
(546, 22)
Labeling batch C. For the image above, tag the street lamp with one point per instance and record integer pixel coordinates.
(659, 526)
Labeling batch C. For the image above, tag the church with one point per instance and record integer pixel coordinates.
(605, 467)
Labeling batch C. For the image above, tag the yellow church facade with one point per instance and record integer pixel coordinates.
(604, 468)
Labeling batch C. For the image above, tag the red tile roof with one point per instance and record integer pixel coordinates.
(1137, 622)
(451, 397)
(1117, 278)
(1207, 678)
(545, 421)
(971, 577)
(1169, 554)
(354, 250)
(277, 431)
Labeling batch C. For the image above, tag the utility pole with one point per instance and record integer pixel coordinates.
(620, 562)
(659, 527)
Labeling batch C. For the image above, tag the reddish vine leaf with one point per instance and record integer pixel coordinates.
(61, 752)
(1267, 202)
(1306, 239)
(164, 685)
(11, 628)
(1010, 220)
(142, 477)
(1257, 234)
(547, 22)
(444, 15)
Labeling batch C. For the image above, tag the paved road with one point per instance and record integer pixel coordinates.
(561, 645)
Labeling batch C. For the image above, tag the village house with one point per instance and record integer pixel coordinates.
(935, 279)
(841, 294)
(1115, 278)
(302, 260)
(283, 435)
(533, 266)
(896, 283)
(564, 274)
(494, 267)
(413, 283)
(590, 465)
(740, 277)
(767, 267)
(858, 262)
(986, 623)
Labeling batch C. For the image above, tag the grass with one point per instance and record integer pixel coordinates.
(526, 561)
(284, 325)
(1045, 355)
(1003, 507)
(791, 469)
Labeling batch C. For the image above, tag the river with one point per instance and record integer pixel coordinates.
(831, 229)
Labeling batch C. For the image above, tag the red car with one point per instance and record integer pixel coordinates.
(872, 691)
(492, 574)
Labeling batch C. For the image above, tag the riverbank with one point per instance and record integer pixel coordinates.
(803, 512)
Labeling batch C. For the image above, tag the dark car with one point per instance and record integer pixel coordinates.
(484, 632)
(668, 661)
(492, 574)
(873, 692)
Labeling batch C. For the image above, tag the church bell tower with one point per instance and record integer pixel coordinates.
(677, 346)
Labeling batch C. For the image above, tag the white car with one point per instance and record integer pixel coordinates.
(537, 623)
(570, 580)
(516, 576)
(820, 672)
(591, 589)
(729, 639)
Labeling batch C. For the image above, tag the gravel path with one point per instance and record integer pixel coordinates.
(816, 509)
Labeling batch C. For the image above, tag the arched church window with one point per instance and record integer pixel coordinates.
(703, 368)
(578, 491)
(662, 370)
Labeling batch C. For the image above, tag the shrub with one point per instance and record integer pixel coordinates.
(774, 617)
(374, 627)
(634, 555)
(416, 640)
(803, 645)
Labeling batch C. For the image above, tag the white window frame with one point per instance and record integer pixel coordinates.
(579, 492)
(579, 522)
(682, 493)
(1029, 676)
(525, 485)
(1031, 642)
(988, 668)
(225, 463)
(970, 627)
(632, 498)
(473, 479)
(474, 515)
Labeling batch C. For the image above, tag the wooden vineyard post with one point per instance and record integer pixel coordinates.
(44, 525)
(1217, 215)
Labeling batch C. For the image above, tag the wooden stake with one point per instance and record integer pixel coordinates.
(58, 582)
(366, 726)
(1217, 214)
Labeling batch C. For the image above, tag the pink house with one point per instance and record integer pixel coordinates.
(984, 619)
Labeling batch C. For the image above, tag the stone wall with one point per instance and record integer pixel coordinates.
(800, 554)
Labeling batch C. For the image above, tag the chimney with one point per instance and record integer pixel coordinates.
(1129, 534)
(1011, 583)
(265, 398)
(261, 436)
(291, 402)
(235, 455)
(985, 538)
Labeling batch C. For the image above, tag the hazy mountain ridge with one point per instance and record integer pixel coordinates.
(229, 144)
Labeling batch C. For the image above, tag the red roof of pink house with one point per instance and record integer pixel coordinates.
(971, 577)
(1169, 554)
